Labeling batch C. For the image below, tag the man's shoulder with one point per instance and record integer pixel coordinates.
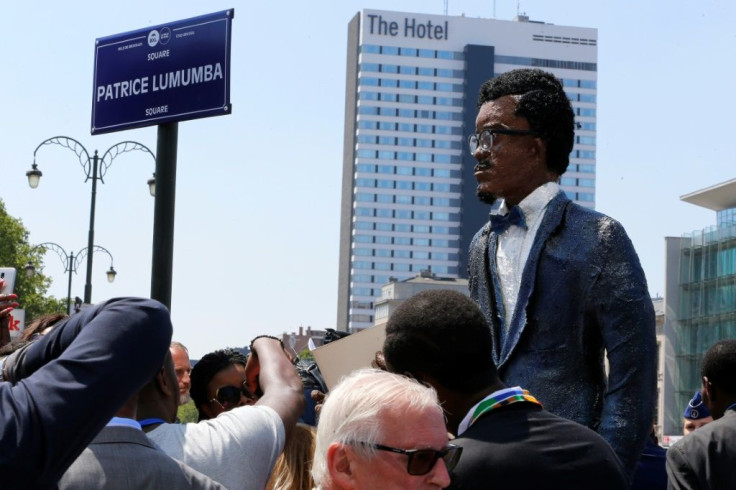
(118, 454)
(721, 431)
(257, 415)
(573, 430)
(593, 231)
(499, 426)
(578, 215)
(503, 444)
(255, 432)
(588, 213)
(250, 418)
(532, 427)
(121, 435)
(230, 432)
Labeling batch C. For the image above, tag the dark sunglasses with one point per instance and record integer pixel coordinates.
(228, 397)
(421, 461)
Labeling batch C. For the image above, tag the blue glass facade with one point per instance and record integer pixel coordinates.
(700, 298)
(705, 305)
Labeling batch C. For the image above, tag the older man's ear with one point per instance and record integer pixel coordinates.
(339, 465)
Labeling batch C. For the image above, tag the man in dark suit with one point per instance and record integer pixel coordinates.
(441, 338)
(64, 387)
(706, 458)
(558, 283)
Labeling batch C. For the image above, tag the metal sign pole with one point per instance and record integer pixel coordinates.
(163, 213)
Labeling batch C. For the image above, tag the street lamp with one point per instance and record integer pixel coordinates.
(34, 176)
(152, 185)
(95, 169)
(71, 263)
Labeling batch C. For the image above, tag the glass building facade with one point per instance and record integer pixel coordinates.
(707, 310)
(701, 304)
(408, 196)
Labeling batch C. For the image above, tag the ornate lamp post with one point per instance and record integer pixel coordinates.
(71, 263)
(94, 168)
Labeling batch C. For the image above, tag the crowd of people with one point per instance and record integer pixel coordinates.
(507, 387)
(435, 414)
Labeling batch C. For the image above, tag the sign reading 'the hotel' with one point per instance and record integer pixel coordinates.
(171, 72)
(409, 28)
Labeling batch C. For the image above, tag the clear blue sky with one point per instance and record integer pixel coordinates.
(256, 246)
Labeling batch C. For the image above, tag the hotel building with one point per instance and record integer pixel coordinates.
(408, 190)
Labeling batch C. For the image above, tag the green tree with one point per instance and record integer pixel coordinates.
(15, 251)
(306, 355)
(187, 413)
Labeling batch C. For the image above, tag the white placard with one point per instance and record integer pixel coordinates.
(342, 357)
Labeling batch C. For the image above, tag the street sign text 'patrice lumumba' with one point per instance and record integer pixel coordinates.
(166, 73)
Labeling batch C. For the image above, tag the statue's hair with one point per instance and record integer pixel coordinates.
(542, 101)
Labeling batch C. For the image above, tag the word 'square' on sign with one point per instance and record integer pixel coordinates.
(166, 73)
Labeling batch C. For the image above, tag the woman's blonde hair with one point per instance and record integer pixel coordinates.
(292, 468)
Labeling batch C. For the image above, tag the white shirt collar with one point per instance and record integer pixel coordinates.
(533, 204)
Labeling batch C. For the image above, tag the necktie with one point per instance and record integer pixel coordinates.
(501, 223)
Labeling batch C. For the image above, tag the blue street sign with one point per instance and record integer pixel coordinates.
(171, 72)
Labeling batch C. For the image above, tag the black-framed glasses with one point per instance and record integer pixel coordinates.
(228, 397)
(484, 139)
(421, 461)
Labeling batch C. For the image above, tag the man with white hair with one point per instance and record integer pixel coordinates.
(381, 430)
(180, 355)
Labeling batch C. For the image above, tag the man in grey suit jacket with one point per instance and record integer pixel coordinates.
(706, 458)
(558, 283)
(122, 457)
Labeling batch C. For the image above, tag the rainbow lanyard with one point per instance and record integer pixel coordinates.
(509, 396)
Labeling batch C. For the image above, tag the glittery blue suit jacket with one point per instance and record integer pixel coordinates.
(582, 291)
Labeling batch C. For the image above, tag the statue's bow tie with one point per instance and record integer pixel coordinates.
(501, 223)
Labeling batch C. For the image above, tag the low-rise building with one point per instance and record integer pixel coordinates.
(395, 292)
